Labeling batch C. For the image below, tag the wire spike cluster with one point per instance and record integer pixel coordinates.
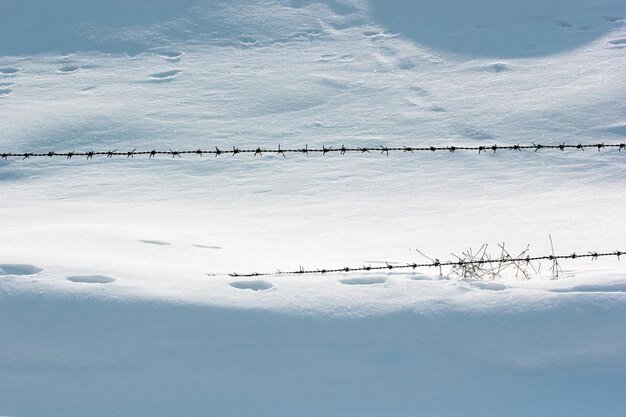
(475, 261)
(324, 150)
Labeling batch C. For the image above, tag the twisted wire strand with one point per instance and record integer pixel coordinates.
(435, 264)
(342, 150)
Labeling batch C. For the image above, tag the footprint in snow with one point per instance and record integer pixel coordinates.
(619, 129)
(563, 24)
(69, 69)
(256, 285)
(171, 56)
(207, 247)
(165, 76)
(620, 288)
(618, 43)
(378, 35)
(307, 34)
(19, 269)
(5, 92)
(91, 279)
(364, 281)
(419, 91)
(8, 71)
(489, 286)
(155, 242)
(338, 58)
(497, 68)
(248, 40)
(416, 276)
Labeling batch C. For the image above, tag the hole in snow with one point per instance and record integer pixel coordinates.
(18, 269)
(257, 285)
(91, 279)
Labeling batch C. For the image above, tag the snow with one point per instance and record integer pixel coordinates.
(115, 294)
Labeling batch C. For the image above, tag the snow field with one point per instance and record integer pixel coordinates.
(115, 296)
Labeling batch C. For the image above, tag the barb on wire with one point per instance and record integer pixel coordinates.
(462, 266)
(324, 150)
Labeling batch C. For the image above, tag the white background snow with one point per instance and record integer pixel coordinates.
(115, 297)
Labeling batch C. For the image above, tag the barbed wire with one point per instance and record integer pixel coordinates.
(435, 264)
(342, 150)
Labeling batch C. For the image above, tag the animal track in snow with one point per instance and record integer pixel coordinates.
(382, 262)
(614, 19)
(364, 281)
(164, 76)
(156, 242)
(337, 58)
(618, 129)
(490, 286)
(256, 285)
(69, 69)
(338, 7)
(19, 269)
(416, 276)
(620, 287)
(472, 133)
(618, 43)
(207, 247)
(8, 71)
(563, 23)
(304, 35)
(405, 64)
(248, 41)
(498, 67)
(378, 35)
(172, 56)
(91, 279)
(419, 90)
(334, 82)
(5, 92)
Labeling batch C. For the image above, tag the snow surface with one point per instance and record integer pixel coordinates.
(115, 297)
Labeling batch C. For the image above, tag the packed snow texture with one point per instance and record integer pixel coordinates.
(115, 296)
